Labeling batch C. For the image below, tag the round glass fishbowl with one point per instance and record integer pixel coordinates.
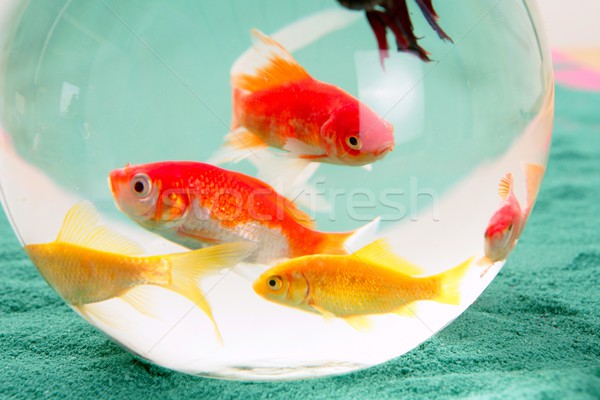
(271, 189)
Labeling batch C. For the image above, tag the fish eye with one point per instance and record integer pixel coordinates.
(141, 185)
(275, 282)
(354, 142)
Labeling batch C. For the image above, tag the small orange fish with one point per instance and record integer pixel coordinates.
(373, 280)
(195, 204)
(87, 263)
(508, 221)
(505, 225)
(277, 103)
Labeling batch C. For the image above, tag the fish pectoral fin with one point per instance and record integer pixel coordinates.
(239, 145)
(320, 310)
(379, 252)
(199, 238)
(312, 156)
(301, 149)
(80, 227)
(361, 323)
(486, 263)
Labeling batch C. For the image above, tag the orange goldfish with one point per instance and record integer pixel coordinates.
(508, 221)
(87, 263)
(195, 204)
(277, 103)
(373, 280)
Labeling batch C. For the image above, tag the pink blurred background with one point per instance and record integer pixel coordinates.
(573, 29)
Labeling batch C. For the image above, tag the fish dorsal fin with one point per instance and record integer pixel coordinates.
(505, 186)
(380, 253)
(80, 227)
(269, 65)
(80, 219)
(299, 216)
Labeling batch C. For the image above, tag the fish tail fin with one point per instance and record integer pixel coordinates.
(378, 26)
(334, 243)
(267, 65)
(349, 242)
(533, 179)
(188, 268)
(431, 16)
(239, 145)
(450, 282)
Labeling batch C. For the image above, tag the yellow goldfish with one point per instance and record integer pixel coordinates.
(88, 263)
(373, 280)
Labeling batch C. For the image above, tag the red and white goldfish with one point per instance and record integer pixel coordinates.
(508, 221)
(195, 204)
(277, 104)
(371, 281)
(88, 263)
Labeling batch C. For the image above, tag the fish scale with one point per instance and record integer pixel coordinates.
(276, 245)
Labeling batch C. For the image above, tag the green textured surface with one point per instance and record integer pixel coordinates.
(533, 334)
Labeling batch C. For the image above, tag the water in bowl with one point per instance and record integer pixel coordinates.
(88, 87)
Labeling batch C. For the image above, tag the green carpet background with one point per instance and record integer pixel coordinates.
(533, 334)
